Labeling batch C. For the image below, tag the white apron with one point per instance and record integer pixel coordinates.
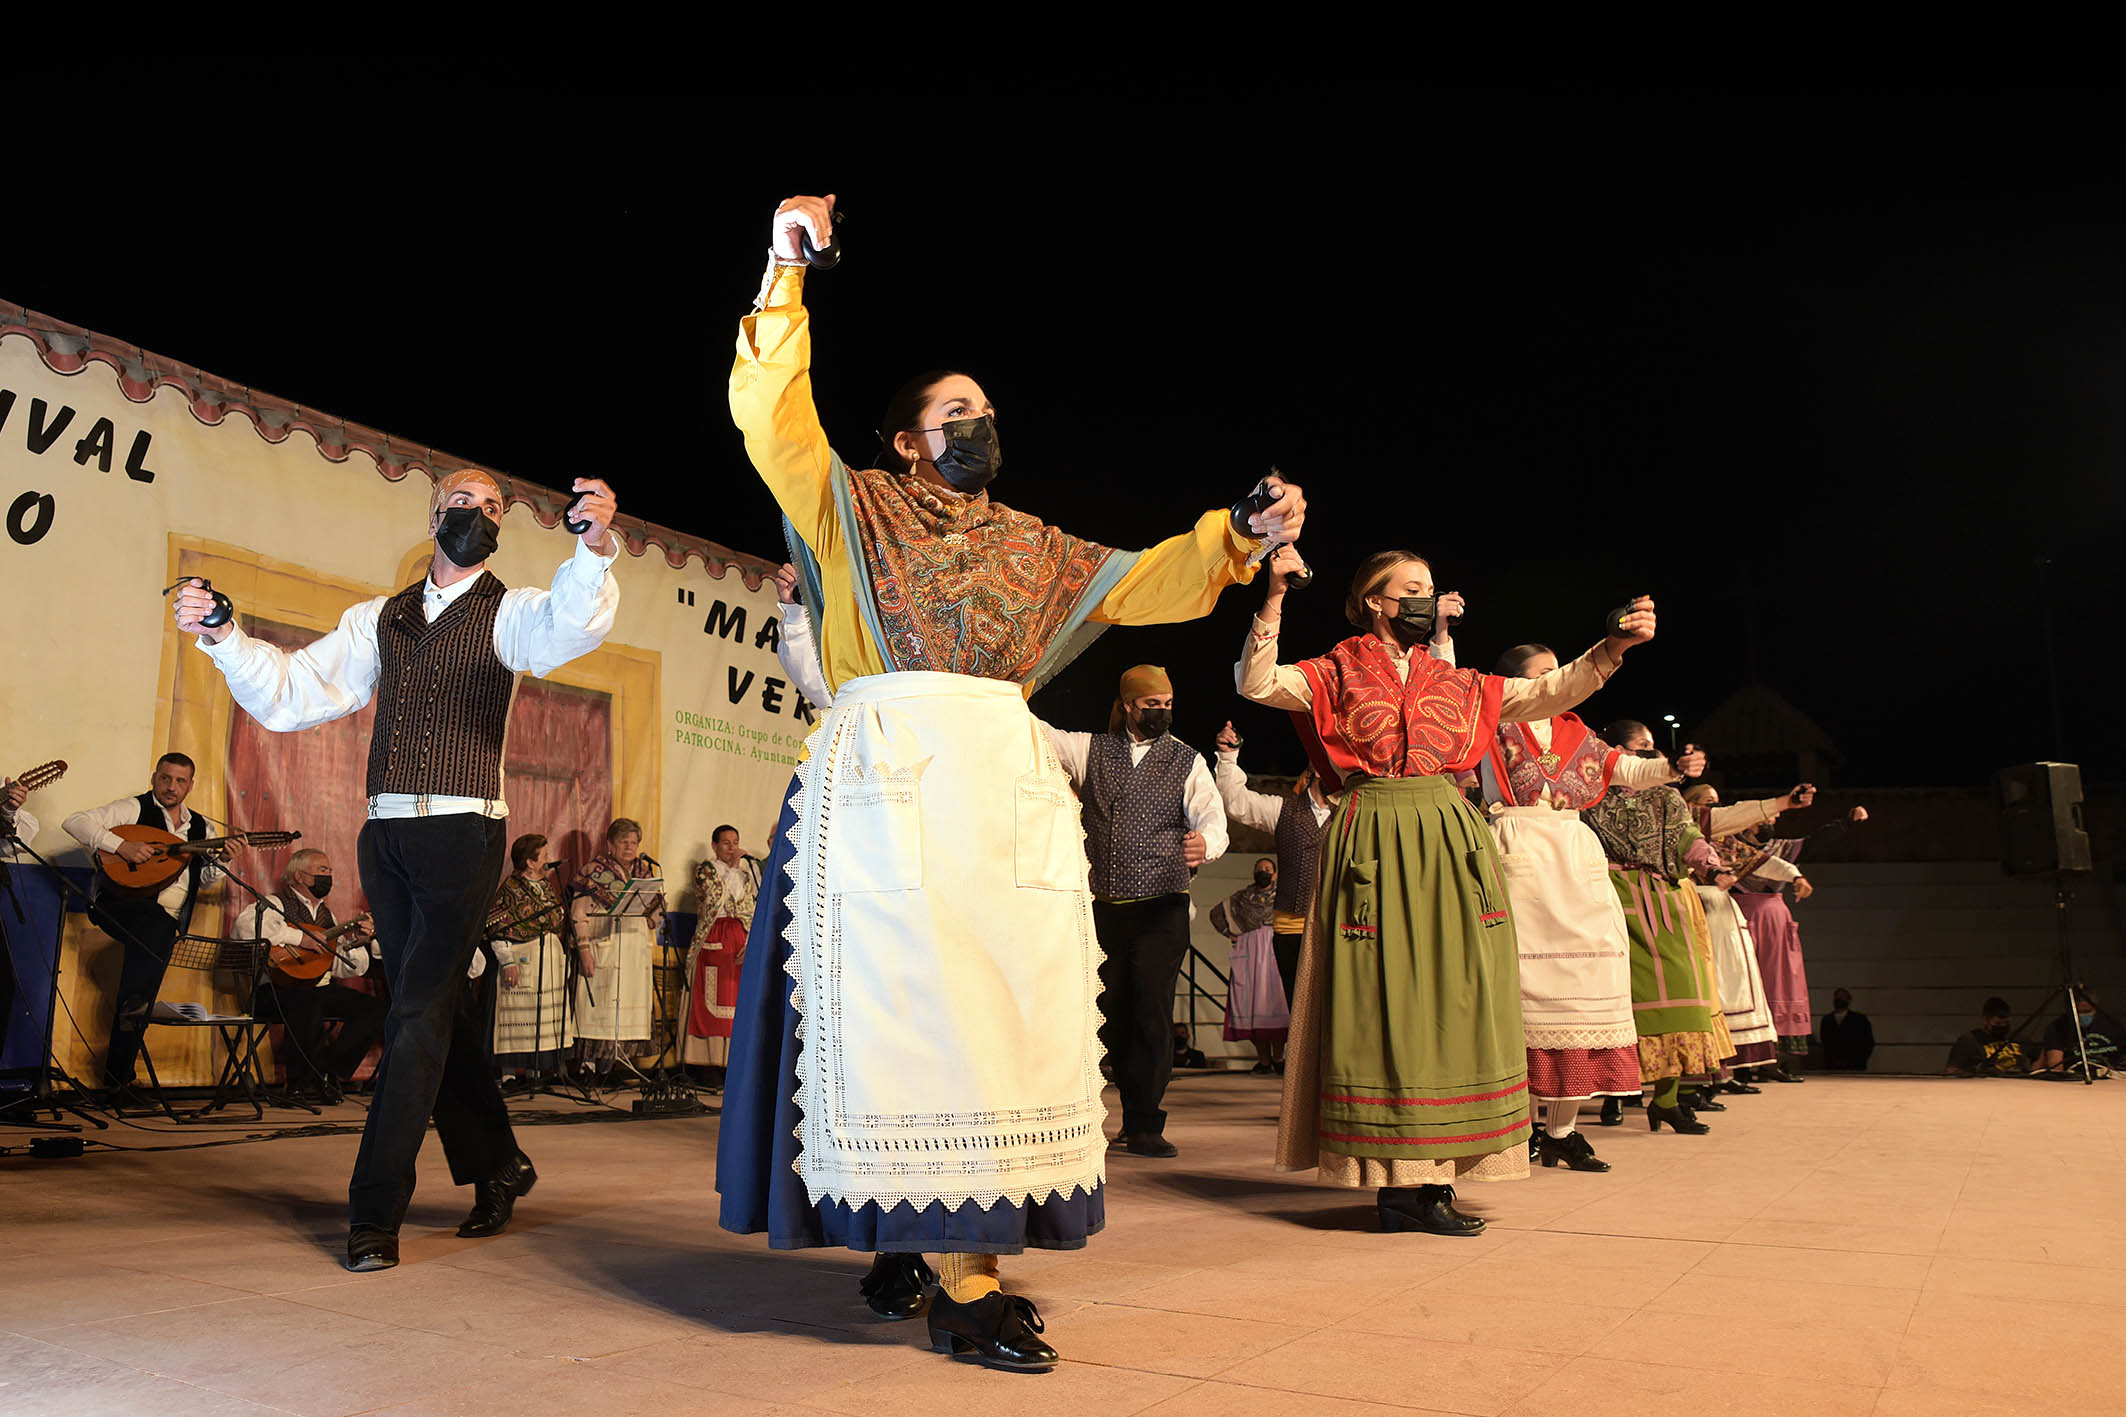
(943, 952)
(1741, 982)
(1575, 950)
(533, 1017)
(615, 1003)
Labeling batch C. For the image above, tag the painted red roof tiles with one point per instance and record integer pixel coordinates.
(69, 349)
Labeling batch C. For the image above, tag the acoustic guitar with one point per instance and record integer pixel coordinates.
(307, 961)
(172, 854)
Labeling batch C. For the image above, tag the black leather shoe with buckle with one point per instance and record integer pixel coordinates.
(1429, 1209)
(495, 1199)
(369, 1248)
(1002, 1330)
(1574, 1150)
(895, 1286)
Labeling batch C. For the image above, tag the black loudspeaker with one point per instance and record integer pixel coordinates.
(2041, 820)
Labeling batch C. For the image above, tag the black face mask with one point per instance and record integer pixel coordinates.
(467, 535)
(1154, 722)
(1265, 878)
(1413, 620)
(1995, 1031)
(971, 455)
(320, 886)
(1646, 752)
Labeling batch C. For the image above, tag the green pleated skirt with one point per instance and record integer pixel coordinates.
(1422, 1054)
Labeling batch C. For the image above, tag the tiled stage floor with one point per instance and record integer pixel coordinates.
(1850, 1246)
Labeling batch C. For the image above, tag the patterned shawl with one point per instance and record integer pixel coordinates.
(604, 878)
(962, 584)
(717, 900)
(1252, 907)
(1653, 830)
(1574, 771)
(1369, 722)
(524, 909)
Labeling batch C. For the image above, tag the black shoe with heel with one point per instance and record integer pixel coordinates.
(1701, 1100)
(1573, 1149)
(1002, 1330)
(895, 1286)
(1612, 1111)
(495, 1199)
(1427, 1209)
(1678, 1117)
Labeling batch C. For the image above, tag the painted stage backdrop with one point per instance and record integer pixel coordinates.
(121, 471)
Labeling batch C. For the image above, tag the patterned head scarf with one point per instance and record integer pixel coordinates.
(451, 482)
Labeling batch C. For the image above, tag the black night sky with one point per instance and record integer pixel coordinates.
(1828, 374)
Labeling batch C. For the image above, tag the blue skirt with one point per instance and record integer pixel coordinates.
(756, 1148)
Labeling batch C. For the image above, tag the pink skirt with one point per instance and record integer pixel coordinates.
(1583, 1072)
(1255, 1006)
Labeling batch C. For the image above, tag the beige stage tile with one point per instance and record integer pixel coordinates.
(2022, 1279)
(953, 1385)
(1383, 1368)
(1746, 1266)
(2069, 1352)
(1793, 1231)
(1448, 1313)
(273, 1352)
(1223, 1399)
(1618, 1387)
(39, 1379)
(769, 1359)
(1652, 1254)
(1553, 1281)
(48, 1293)
(574, 1390)
(1869, 1306)
(1165, 1341)
(2003, 1397)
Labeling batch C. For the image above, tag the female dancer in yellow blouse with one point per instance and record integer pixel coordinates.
(914, 1064)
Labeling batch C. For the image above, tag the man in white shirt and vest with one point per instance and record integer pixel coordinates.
(441, 659)
(1152, 816)
(145, 928)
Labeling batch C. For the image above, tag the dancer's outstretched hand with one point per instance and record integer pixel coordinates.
(1637, 626)
(1282, 519)
(1229, 738)
(813, 215)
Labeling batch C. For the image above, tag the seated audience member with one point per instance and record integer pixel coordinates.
(2101, 1034)
(1987, 1051)
(1845, 1035)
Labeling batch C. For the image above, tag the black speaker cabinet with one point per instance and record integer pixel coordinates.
(2041, 819)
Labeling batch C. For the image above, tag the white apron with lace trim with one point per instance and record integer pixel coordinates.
(943, 952)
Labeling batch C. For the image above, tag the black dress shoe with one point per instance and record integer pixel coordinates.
(1429, 1209)
(369, 1248)
(1573, 1149)
(1150, 1144)
(1701, 1100)
(1003, 1330)
(1740, 1088)
(1678, 1117)
(495, 1199)
(895, 1286)
(1612, 1111)
(1780, 1074)
(1535, 1144)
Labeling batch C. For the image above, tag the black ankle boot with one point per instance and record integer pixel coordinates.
(895, 1286)
(1574, 1150)
(1612, 1111)
(1700, 1099)
(495, 1199)
(1429, 1209)
(1678, 1117)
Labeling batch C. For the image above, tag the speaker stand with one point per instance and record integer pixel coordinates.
(2069, 986)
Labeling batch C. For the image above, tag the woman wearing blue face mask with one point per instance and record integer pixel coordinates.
(914, 1062)
(1406, 1067)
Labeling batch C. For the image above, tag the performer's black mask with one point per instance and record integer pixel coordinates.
(1413, 620)
(1996, 1031)
(1265, 878)
(971, 455)
(321, 886)
(1154, 722)
(467, 535)
(1646, 752)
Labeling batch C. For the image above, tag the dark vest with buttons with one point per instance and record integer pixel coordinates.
(296, 913)
(443, 694)
(1298, 853)
(1135, 817)
(152, 815)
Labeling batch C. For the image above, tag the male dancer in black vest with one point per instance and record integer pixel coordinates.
(145, 928)
(441, 658)
(1152, 816)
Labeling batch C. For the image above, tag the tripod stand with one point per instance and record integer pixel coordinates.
(69, 1095)
(2070, 986)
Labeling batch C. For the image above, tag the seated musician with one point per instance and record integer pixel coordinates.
(15, 819)
(146, 923)
(303, 1004)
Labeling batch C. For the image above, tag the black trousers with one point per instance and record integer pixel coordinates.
(1145, 942)
(304, 1009)
(145, 934)
(1286, 948)
(429, 881)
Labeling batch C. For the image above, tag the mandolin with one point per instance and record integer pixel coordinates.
(42, 775)
(307, 961)
(172, 854)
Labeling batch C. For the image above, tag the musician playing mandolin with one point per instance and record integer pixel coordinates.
(145, 924)
(15, 819)
(312, 952)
